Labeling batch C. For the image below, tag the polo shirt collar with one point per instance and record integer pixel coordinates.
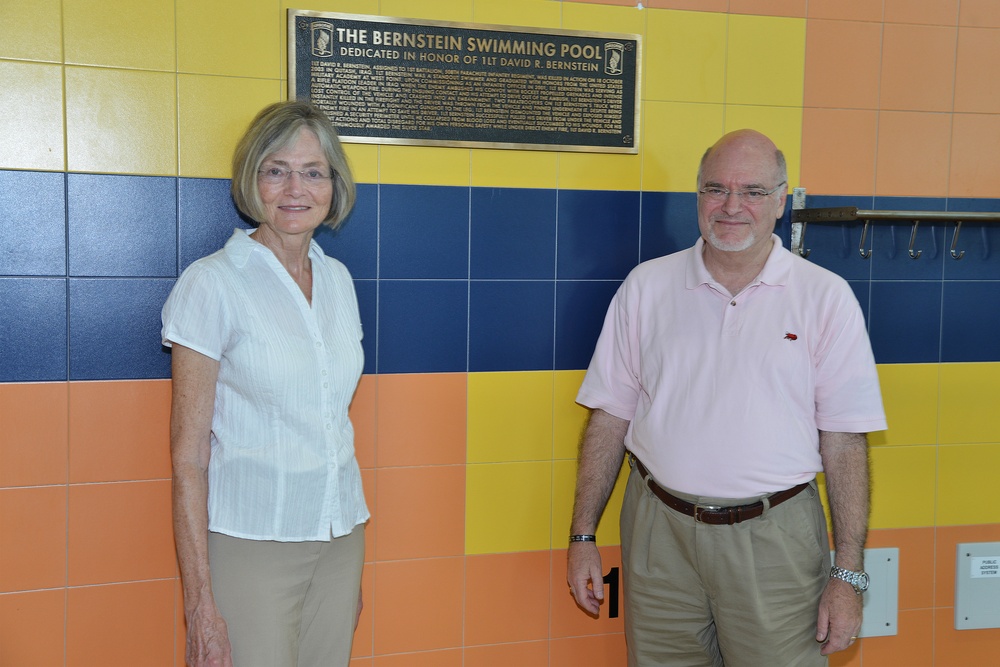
(775, 272)
(240, 246)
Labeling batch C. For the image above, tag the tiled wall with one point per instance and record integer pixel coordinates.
(482, 276)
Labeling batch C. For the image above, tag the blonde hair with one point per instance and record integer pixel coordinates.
(276, 127)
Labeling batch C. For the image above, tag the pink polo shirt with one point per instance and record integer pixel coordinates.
(725, 393)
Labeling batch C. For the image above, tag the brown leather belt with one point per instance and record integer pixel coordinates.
(713, 514)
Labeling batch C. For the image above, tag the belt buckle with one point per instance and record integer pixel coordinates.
(698, 509)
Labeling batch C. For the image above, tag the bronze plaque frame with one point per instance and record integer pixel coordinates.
(385, 80)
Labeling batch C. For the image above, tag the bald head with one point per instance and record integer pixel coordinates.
(746, 144)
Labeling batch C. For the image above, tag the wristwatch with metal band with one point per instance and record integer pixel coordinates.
(859, 580)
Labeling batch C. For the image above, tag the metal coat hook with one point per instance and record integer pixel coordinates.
(914, 254)
(865, 253)
(802, 250)
(954, 242)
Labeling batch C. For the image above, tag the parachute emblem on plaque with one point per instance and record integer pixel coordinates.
(322, 39)
(613, 58)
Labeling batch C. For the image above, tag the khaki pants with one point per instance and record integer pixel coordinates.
(288, 604)
(744, 595)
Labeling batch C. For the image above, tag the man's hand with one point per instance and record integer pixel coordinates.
(839, 620)
(208, 639)
(584, 566)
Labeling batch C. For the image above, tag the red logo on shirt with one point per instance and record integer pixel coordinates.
(790, 336)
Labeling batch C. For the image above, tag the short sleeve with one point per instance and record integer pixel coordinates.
(195, 314)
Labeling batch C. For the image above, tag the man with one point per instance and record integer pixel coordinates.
(732, 372)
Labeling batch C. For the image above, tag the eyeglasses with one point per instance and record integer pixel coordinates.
(750, 196)
(278, 175)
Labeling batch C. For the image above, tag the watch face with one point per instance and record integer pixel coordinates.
(862, 581)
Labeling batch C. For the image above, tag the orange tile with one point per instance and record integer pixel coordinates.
(603, 650)
(916, 563)
(123, 624)
(34, 434)
(842, 64)
(848, 10)
(32, 628)
(421, 419)
(975, 155)
(947, 540)
(693, 5)
(927, 12)
(362, 414)
(446, 658)
(522, 654)
(905, 167)
(361, 662)
(833, 138)
(510, 613)
(368, 484)
(963, 648)
(364, 633)
(912, 645)
(418, 605)
(419, 512)
(849, 657)
(789, 8)
(981, 13)
(120, 532)
(32, 538)
(568, 620)
(119, 430)
(977, 88)
(918, 67)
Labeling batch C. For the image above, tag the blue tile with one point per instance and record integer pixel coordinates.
(669, 223)
(355, 242)
(423, 326)
(580, 310)
(511, 325)
(33, 227)
(598, 234)
(835, 245)
(979, 241)
(971, 320)
(206, 217)
(32, 329)
(423, 232)
(891, 242)
(863, 293)
(122, 225)
(905, 321)
(513, 233)
(114, 329)
(367, 291)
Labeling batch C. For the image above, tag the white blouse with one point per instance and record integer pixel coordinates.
(282, 463)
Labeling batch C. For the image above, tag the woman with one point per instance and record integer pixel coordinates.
(268, 507)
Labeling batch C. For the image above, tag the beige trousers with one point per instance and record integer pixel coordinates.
(744, 595)
(288, 604)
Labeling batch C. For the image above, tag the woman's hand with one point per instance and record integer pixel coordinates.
(208, 639)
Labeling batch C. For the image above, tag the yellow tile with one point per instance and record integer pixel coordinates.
(97, 32)
(568, 418)
(508, 507)
(969, 403)
(230, 37)
(510, 416)
(910, 397)
(31, 116)
(32, 30)
(903, 486)
(675, 136)
(531, 13)
(513, 168)
(213, 112)
(604, 18)
(363, 159)
(434, 10)
(363, 7)
(424, 165)
(563, 489)
(685, 56)
(600, 171)
(766, 60)
(967, 482)
(782, 124)
(121, 121)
